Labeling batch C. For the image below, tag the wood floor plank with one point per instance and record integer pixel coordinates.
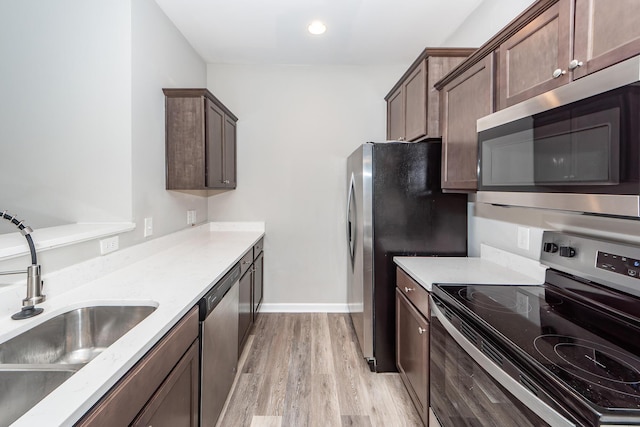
(241, 414)
(324, 410)
(401, 399)
(321, 352)
(297, 403)
(347, 368)
(356, 421)
(275, 354)
(261, 421)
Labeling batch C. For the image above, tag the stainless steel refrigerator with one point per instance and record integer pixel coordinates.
(395, 207)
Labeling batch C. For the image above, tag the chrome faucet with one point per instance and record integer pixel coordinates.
(34, 280)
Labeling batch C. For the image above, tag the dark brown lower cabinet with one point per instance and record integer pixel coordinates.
(161, 389)
(258, 284)
(176, 401)
(412, 353)
(245, 316)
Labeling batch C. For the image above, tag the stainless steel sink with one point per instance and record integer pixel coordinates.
(37, 361)
(74, 337)
(21, 388)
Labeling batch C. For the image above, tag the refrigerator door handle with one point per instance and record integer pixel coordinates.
(350, 232)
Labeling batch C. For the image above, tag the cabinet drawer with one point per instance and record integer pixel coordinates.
(257, 248)
(413, 291)
(246, 261)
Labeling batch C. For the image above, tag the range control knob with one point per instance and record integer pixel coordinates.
(550, 247)
(567, 251)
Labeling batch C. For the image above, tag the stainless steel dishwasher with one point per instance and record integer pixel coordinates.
(218, 345)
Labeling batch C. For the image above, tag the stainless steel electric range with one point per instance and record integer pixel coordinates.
(565, 353)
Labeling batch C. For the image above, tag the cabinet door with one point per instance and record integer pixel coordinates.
(185, 143)
(395, 116)
(412, 353)
(244, 322)
(175, 404)
(463, 102)
(258, 285)
(536, 58)
(606, 32)
(215, 145)
(415, 103)
(229, 149)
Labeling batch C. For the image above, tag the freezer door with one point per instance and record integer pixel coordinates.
(359, 246)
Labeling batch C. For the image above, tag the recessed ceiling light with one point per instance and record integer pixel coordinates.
(317, 27)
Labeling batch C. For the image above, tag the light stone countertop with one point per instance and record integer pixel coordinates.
(171, 272)
(494, 266)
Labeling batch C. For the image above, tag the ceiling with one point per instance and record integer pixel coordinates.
(359, 32)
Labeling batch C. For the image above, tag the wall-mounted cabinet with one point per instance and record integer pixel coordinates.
(412, 104)
(463, 101)
(200, 141)
(539, 57)
(531, 60)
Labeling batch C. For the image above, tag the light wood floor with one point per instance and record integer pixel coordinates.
(301, 370)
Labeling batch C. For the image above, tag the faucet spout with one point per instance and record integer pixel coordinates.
(34, 276)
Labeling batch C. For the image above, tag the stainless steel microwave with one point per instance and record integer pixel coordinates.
(575, 148)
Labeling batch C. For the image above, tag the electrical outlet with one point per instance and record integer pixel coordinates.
(148, 227)
(191, 217)
(109, 245)
(523, 238)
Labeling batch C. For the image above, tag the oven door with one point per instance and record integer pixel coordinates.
(469, 388)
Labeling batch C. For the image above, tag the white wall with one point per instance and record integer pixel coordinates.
(65, 113)
(82, 118)
(161, 57)
(297, 125)
(485, 21)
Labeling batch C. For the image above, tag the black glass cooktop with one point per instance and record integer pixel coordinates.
(569, 335)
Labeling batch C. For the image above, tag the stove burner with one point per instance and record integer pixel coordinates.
(592, 362)
(503, 302)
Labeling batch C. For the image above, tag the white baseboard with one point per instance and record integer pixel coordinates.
(303, 308)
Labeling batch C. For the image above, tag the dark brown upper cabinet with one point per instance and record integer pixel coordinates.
(200, 141)
(606, 32)
(412, 104)
(570, 39)
(535, 59)
(463, 101)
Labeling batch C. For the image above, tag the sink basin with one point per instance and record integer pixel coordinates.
(22, 388)
(37, 361)
(74, 337)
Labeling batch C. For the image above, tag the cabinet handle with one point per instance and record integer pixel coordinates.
(245, 262)
(226, 181)
(559, 72)
(575, 64)
(407, 290)
(401, 138)
(421, 330)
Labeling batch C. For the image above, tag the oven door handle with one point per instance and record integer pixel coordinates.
(527, 398)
